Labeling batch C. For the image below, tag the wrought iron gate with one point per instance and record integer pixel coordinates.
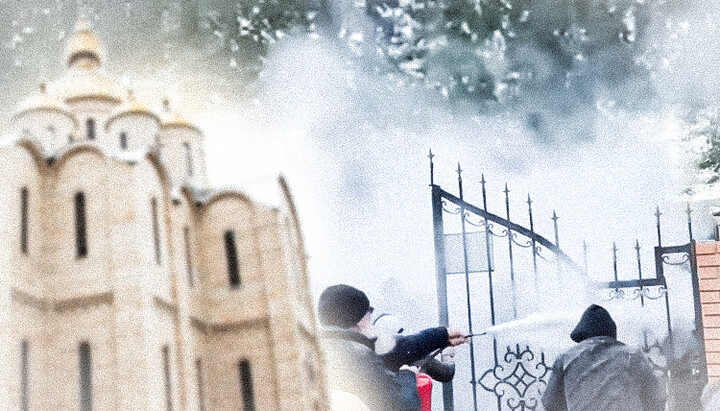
(481, 255)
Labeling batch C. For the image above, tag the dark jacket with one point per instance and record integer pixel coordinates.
(600, 373)
(414, 349)
(438, 370)
(354, 367)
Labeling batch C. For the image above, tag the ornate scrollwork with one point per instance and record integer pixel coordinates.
(519, 382)
(515, 240)
(661, 291)
(537, 251)
(651, 293)
(503, 233)
(616, 294)
(445, 208)
(685, 257)
(486, 225)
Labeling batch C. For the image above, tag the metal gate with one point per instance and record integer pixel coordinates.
(491, 272)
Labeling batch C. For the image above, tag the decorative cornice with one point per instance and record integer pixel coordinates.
(63, 304)
(227, 327)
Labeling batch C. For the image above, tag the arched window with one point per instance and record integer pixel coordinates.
(188, 256)
(188, 159)
(156, 229)
(81, 246)
(90, 126)
(123, 141)
(24, 224)
(24, 375)
(168, 379)
(246, 385)
(232, 259)
(200, 383)
(85, 377)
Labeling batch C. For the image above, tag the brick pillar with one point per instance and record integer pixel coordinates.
(708, 268)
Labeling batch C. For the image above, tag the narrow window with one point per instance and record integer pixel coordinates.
(80, 226)
(123, 141)
(188, 159)
(188, 256)
(246, 386)
(24, 220)
(85, 377)
(156, 229)
(90, 124)
(200, 384)
(168, 381)
(24, 375)
(232, 259)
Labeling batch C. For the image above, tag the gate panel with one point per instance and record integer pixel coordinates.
(490, 275)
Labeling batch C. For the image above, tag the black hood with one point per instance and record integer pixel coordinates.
(595, 322)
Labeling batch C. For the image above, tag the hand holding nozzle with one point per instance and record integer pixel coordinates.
(456, 337)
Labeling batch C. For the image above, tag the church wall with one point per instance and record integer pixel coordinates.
(65, 328)
(83, 171)
(174, 154)
(141, 131)
(19, 170)
(220, 301)
(51, 128)
(91, 108)
(148, 185)
(222, 352)
(161, 334)
(183, 216)
(29, 325)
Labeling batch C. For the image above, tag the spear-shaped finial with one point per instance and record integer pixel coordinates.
(432, 166)
(459, 173)
(689, 211)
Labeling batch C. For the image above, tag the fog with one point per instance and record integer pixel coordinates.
(586, 106)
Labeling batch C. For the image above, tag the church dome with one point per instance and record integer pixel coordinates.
(84, 78)
(173, 119)
(83, 48)
(43, 101)
(130, 107)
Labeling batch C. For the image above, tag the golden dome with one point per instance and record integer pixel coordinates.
(43, 102)
(83, 48)
(173, 119)
(132, 106)
(84, 79)
(82, 84)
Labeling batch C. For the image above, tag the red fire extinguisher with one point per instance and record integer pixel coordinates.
(424, 387)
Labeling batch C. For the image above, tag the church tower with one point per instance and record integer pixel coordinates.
(127, 281)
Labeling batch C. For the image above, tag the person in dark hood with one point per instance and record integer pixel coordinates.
(348, 342)
(600, 373)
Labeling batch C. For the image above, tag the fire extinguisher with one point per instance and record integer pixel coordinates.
(424, 387)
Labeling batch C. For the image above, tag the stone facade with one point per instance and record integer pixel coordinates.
(182, 297)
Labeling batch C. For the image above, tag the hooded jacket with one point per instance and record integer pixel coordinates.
(601, 373)
(354, 367)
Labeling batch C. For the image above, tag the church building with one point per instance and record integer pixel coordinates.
(127, 282)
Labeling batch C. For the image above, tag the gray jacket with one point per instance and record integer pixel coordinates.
(602, 374)
(354, 367)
